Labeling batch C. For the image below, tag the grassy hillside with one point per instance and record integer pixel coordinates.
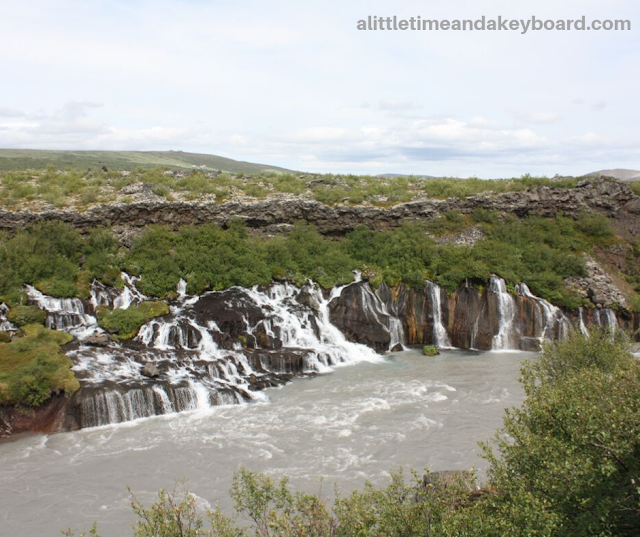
(21, 159)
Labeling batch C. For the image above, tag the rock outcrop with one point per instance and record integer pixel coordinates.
(357, 313)
(50, 417)
(597, 286)
(277, 213)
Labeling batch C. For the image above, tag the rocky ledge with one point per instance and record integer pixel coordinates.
(277, 213)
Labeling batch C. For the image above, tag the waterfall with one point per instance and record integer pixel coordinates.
(5, 324)
(440, 336)
(68, 314)
(377, 309)
(503, 340)
(606, 318)
(553, 316)
(116, 298)
(185, 362)
(181, 289)
(328, 346)
(226, 347)
(581, 326)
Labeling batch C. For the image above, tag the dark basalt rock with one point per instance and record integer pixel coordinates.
(50, 417)
(604, 195)
(289, 361)
(353, 314)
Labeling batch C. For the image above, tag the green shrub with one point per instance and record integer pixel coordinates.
(430, 350)
(596, 227)
(23, 315)
(32, 367)
(126, 322)
(569, 455)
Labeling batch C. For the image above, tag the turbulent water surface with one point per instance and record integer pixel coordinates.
(356, 423)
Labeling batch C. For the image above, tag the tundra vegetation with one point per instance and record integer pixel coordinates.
(81, 188)
(565, 464)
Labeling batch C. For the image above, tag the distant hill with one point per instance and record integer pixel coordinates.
(20, 159)
(619, 173)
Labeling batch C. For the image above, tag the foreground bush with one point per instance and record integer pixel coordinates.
(569, 459)
(32, 367)
(567, 463)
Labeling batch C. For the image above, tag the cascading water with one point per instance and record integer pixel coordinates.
(581, 326)
(294, 327)
(181, 289)
(195, 365)
(226, 347)
(440, 335)
(117, 298)
(68, 314)
(503, 340)
(554, 319)
(377, 309)
(5, 324)
(606, 318)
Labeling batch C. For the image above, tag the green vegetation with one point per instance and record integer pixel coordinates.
(23, 315)
(635, 186)
(126, 323)
(56, 259)
(80, 188)
(581, 423)
(566, 464)
(430, 350)
(542, 252)
(32, 367)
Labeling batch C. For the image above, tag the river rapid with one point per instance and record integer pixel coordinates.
(352, 425)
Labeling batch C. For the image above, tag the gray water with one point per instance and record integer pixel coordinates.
(352, 425)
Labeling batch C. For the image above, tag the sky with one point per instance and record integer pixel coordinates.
(295, 84)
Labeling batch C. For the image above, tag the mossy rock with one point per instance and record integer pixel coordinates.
(430, 350)
(125, 323)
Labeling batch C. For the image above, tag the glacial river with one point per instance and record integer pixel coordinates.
(352, 425)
